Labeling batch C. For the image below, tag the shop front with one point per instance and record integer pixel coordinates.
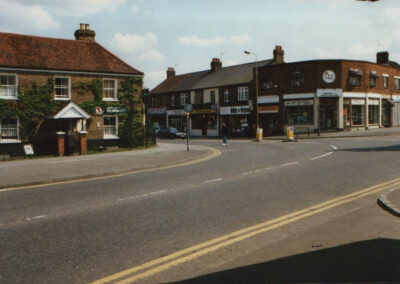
(329, 109)
(237, 119)
(299, 113)
(157, 116)
(396, 110)
(176, 118)
(268, 112)
(204, 122)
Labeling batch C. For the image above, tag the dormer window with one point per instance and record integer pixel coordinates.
(62, 88)
(297, 79)
(8, 86)
(110, 89)
(355, 77)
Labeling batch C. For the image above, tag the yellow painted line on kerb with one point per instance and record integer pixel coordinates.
(215, 153)
(164, 263)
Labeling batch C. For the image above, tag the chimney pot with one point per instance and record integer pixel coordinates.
(87, 27)
(170, 72)
(81, 26)
(84, 33)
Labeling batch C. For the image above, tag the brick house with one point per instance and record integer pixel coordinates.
(220, 94)
(330, 94)
(26, 60)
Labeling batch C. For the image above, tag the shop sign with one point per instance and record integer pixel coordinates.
(157, 110)
(268, 109)
(206, 110)
(373, 102)
(291, 103)
(329, 93)
(306, 102)
(113, 109)
(98, 111)
(235, 110)
(358, 102)
(329, 76)
(28, 149)
(176, 112)
(396, 98)
(268, 99)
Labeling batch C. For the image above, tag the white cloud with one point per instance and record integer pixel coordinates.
(195, 41)
(16, 16)
(79, 8)
(137, 47)
(153, 78)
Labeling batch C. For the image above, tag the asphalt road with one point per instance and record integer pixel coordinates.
(84, 231)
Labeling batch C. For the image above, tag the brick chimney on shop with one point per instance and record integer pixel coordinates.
(170, 72)
(278, 54)
(382, 57)
(216, 64)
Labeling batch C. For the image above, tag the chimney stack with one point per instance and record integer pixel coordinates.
(278, 54)
(84, 33)
(170, 72)
(216, 64)
(382, 57)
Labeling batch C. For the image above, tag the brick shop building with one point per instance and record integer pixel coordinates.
(330, 95)
(74, 66)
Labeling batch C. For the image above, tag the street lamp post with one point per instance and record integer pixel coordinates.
(258, 130)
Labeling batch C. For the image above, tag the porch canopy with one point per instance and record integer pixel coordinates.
(72, 110)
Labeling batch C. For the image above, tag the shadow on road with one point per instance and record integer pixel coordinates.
(365, 261)
(372, 149)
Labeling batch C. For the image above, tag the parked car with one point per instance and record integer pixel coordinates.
(170, 132)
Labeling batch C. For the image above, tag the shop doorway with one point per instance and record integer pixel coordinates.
(386, 112)
(269, 123)
(328, 113)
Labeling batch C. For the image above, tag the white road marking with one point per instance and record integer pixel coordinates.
(289, 164)
(36, 217)
(143, 195)
(319, 157)
(212, 180)
(334, 147)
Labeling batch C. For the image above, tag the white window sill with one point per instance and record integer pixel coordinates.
(9, 141)
(8, 98)
(109, 137)
(110, 99)
(62, 99)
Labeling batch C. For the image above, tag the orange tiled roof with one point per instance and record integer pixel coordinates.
(33, 52)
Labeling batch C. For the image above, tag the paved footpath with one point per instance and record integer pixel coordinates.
(46, 170)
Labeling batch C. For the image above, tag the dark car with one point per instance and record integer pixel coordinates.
(170, 132)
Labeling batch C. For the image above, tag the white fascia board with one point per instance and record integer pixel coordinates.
(299, 96)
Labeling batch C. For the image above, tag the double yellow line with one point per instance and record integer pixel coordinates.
(164, 263)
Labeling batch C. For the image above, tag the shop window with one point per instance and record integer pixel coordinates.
(110, 126)
(373, 112)
(358, 112)
(62, 88)
(212, 122)
(8, 86)
(184, 99)
(109, 89)
(226, 96)
(297, 113)
(386, 82)
(243, 93)
(346, 112)
(9, 130)
(397, 83)
(297, 79)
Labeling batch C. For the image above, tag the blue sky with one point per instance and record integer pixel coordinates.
(152, 35)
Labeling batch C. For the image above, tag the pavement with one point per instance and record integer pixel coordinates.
(29, 172)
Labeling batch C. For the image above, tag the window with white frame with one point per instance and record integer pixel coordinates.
(110, 126)
(109, 89)
(62, 88)
(9, 132)
(226, 96)
(172, 100)
(385, 81)
(397, 83)
(8, 86)
(184, 99)
(243, 93)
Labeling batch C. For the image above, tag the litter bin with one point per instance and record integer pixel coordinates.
(259, 134)
(290, 132)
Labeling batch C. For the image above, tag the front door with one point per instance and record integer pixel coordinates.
(328, 113)
(204, 125)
